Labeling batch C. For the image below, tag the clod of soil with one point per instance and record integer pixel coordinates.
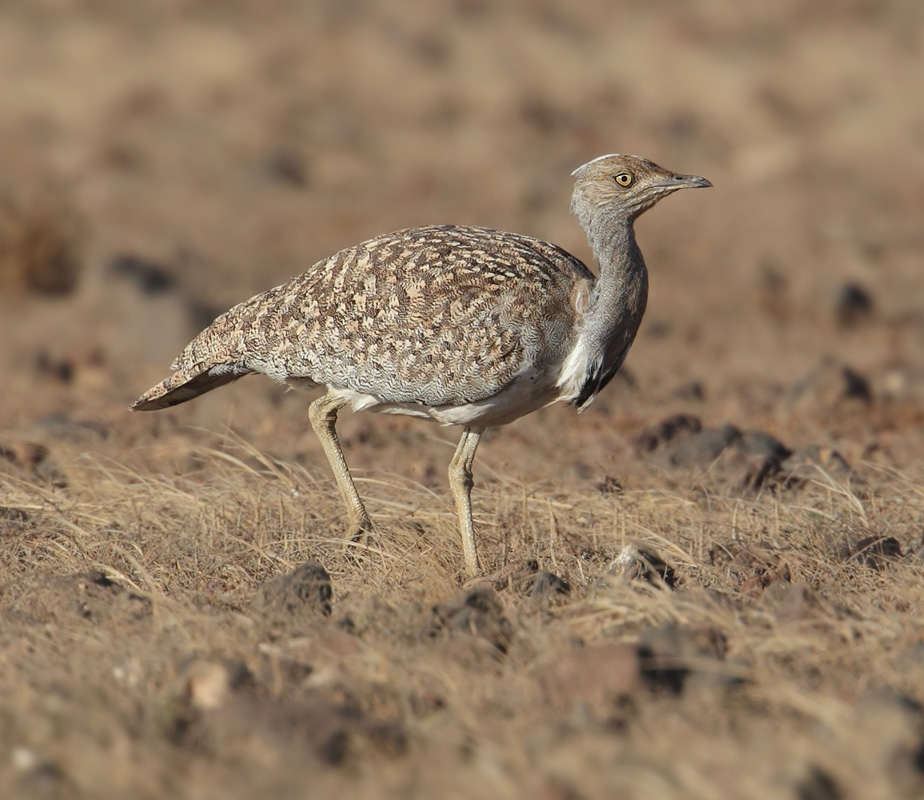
(818, 785)
(670, 655)
(830, 387)
(476, 612)
(637, 563)
(852, 305)
(658, 435)
(302, 593)
(700, 448)
(150, 277)
(877, 551)
(543, 586)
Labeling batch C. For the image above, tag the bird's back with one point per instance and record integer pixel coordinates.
(437, 315)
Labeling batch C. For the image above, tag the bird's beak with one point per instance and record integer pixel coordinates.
(685, 182)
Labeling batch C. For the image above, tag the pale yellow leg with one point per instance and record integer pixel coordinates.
(460, 482)
(323, 415)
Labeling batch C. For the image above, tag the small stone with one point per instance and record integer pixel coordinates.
(852, 305)
(636, 563)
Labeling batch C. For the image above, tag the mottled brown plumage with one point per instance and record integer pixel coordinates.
(463, 325)
(438, 315)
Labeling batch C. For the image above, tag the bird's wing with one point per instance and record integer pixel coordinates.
(438, 315)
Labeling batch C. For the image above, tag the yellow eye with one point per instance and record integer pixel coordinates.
(623, 179)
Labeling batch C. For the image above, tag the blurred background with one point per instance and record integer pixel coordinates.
(165, 159)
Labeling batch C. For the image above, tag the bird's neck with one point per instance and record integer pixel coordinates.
(614, 309)
(620, 293)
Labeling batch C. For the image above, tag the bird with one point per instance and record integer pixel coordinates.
(465, 326)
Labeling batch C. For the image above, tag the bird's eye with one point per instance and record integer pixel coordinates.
(623, 179)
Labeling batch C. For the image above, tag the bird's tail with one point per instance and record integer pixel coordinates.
(184, 385)
(212, 359)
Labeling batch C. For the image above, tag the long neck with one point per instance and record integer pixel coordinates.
(620, 293)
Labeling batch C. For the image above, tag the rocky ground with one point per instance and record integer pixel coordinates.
(708, 585)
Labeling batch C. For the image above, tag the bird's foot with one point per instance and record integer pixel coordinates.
(360, 530)
(360, 540)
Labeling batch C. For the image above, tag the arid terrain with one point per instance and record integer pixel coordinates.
(709, 585)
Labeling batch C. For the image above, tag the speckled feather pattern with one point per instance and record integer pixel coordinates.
(438, 315)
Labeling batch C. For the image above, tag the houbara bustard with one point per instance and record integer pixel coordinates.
(462, 325)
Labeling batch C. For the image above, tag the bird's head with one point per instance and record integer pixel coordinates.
(627, 184)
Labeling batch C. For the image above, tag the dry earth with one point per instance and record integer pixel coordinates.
(707, 586)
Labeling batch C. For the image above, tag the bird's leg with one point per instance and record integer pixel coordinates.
(323, 416)
(460, 482)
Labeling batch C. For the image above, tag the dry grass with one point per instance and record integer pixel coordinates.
(811, 672)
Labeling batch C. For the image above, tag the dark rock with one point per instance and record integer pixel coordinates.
(476, 612)
(304, 592)
(852, 305)
(747, 459)
(827, 388)
(27, 456)
(691, 391)
(286, 167)
(702, 447)
(610, 485)
(670, 654)
(671, 428)
(818, 785)
(543, 586)
(877, 551)
(761, 445)
(13, 515)
(151, 277)
(636, 563)
(389, 738)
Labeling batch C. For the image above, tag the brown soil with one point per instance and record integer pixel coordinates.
(709, 585)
